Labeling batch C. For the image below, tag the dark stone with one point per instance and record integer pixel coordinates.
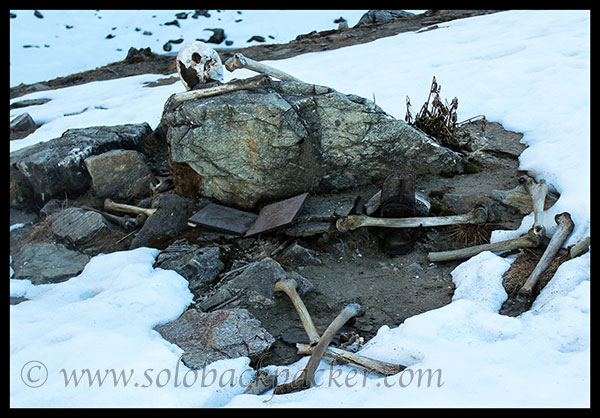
(223, 334)
(47, 263)
(56, 168)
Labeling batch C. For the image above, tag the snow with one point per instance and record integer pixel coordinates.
(529, 70)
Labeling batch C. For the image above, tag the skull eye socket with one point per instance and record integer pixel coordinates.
(196, 58)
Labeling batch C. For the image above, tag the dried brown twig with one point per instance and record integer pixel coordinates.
(438, 120)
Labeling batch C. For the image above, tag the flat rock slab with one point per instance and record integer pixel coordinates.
(223, 218)
(76, 225)
(47, 263)
(277, 215)
(224, 334)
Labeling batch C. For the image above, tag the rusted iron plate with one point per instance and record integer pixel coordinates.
(277, 215)
(223, 218)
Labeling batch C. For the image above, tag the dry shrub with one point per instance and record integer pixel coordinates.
(437, 119)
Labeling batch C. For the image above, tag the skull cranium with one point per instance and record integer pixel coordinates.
(198, 63)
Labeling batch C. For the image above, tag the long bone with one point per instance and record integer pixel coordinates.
(288, 286)
(528, 240)
(257, 82)
(476, 216)
(563, 230)
(304, 381)
(238, 61)
(538, 192)
(122, 207)
(381, 367)
(124, 222)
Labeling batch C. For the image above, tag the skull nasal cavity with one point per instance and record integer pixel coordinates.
(196, 57)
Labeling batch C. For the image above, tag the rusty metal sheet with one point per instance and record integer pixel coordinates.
(223, 218)
(277, 215)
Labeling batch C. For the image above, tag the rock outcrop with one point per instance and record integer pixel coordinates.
(250, 147)
(56, 168)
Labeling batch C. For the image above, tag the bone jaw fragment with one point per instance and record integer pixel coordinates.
(239, 61)
(476, 216)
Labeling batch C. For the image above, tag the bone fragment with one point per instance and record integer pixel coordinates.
(125, 222)
(580, 248)
(121, 207)
(538, 192)
(381, 367)
(477, 216)
(304, 381)
(245, 84)
(529, 240)
(238, 61)
(562, 232)
(288, 286)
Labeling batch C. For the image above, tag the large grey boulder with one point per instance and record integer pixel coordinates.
(249, 147)
(56, 168)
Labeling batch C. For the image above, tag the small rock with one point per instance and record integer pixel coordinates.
(224, 334)
(297, 254)
(200, 12)
(120, 175)
(253, 286)
(217, 37)
(172, 23)
(168, 221)
(76, 225)
(47, 263)
(53, 205)
(22, 125)
(199, 265)
(37, 14)
(412, 268)
(257, 38)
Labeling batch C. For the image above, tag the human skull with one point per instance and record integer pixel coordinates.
(198, 63)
